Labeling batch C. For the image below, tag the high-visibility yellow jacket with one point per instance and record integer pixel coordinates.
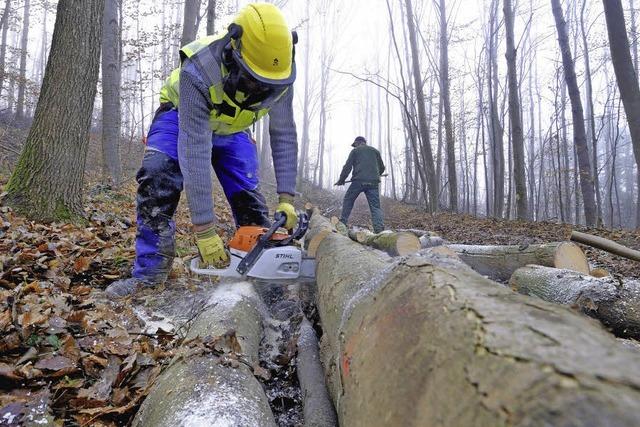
(226, 116)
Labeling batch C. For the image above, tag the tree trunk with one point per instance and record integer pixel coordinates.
(625, 73)
(517, 135)
(22, 82)
(591, 129)
(48, 180)
(496, 128)
(303, 159)
(499, 262)
(211, 16)
(446, 104)
(429, 339)
(615, 304)
(189, 21)
(579, 136)
(202, 390)
(3, 47)
(422, 114)
(111, 93)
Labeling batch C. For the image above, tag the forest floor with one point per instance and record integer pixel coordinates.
(67, 353)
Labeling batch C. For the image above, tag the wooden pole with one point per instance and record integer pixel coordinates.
(605, 244)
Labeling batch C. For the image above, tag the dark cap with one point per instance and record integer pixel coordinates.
(358, 140)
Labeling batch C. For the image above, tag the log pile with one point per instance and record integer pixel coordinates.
(499, 262)
(426, 340)
(616, 304)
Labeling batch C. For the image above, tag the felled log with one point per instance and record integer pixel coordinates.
(427, 341)
(318, 408)
(393, 243)
(427, 239)
(200, 390)
(499, 262)
(615, 304)
(605, 244)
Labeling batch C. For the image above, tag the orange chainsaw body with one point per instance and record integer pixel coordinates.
(247, 236)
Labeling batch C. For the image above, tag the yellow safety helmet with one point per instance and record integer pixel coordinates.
(263, 44)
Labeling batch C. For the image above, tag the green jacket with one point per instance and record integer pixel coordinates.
(366, 163)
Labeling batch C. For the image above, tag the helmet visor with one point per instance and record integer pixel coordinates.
(249, 93)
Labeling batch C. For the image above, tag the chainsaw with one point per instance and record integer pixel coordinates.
(264, 253)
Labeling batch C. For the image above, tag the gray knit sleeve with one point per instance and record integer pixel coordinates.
(284, 143)
(194, 145)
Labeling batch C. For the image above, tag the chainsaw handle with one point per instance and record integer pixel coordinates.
(280, 220)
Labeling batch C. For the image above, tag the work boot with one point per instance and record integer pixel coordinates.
(125, 287)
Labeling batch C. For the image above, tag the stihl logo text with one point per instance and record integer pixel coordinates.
(284, 256)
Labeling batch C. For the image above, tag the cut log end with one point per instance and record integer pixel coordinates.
(569, 256)
(407, 244)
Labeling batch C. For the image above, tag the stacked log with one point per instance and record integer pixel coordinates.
(616, 304)
(427, 341)
(199, 390)
(393, 243)
(499, 262)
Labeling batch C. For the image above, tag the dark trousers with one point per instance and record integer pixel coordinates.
(372, 192)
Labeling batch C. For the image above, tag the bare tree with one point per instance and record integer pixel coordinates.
(22, 83)
(3, 48)
(211, 16)
(514, 115)
(47, 182)
(446, 105)
(625, 74)
(422, 113)
(579, 135)
(190, 21)
(111, 92)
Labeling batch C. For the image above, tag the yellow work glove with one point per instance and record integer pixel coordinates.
(211, 247)
(286, 207)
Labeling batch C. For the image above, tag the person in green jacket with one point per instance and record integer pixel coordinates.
(367, 166)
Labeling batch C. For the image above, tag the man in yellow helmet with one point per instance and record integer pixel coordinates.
(223, 86)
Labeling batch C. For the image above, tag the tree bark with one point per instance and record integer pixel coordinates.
(22, 83)
(625, 72)
(200, 390)
(496, 128)
(517, 135)
(47, 182)
(422, 113)
(189, 21)
(429, 339)
(616, 304)
(499, 262)
(111, 93)
(579, 136)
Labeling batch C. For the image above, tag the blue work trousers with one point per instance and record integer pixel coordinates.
(235, 161)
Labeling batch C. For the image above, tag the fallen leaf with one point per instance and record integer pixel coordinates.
(8, 371)
(60, 365)
(81, 264)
